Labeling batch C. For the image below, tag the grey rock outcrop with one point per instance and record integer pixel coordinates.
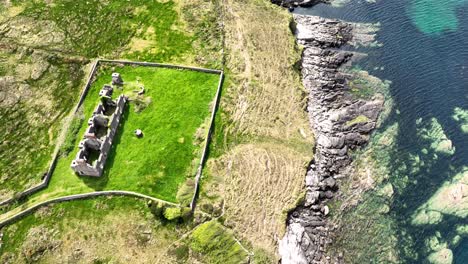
(331, 108)
(296, 3)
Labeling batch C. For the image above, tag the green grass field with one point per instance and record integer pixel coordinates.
(44, 51)
(178, 107)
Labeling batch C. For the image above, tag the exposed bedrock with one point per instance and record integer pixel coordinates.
(341, 120)
(296, 3)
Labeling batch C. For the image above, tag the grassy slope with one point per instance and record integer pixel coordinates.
(61, 36)
(93, 28)
(262, 140)
(87, 222)
(27, 145)
(263, 125)
(102, 230)
(106, 230)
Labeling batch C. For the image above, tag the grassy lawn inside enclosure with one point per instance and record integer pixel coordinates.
(173, 114)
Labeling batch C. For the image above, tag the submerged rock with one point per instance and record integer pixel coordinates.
(461, 115)
(433, 132)
(427, 217)
(450, 199)
(443, 256)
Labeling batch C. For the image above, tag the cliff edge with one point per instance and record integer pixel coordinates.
(342, 117)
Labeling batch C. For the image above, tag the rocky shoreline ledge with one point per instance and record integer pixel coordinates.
(296, 3)
(341, 119)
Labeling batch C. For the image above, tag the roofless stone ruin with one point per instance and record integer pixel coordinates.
(102, 128)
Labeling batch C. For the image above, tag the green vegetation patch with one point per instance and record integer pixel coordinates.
(94, 28)
(31, 111)
(185, 192)
(357, 120)
(57, 233)
(43, 50)
(217, 244)
(178, 103)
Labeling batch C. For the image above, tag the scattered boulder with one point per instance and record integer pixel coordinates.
(325, 210)
(138, 133)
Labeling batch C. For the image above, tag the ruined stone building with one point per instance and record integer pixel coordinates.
(97, 140)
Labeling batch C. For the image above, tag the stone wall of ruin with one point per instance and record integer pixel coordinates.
(106, 144)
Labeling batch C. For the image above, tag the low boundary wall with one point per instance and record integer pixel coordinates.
(161, 65)
(81, 196)
(207, 142)
(89, 81)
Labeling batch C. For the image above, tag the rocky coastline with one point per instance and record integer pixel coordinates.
(297, 3)
(341, 120)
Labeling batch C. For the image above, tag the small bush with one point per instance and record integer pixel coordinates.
(207, 208)
(172, 213)
(216, 244)
(177, 213)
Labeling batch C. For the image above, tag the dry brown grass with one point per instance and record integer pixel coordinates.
(258, 183)
(260, 179)
(128, 234)
(121, 238)
(266, 98)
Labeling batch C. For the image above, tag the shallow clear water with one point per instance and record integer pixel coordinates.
(425, 55)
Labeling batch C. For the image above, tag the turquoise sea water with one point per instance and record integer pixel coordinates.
(424, 53)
